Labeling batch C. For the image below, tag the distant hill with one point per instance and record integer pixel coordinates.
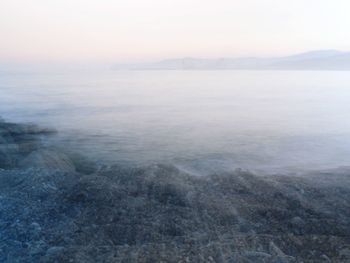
(314, 60)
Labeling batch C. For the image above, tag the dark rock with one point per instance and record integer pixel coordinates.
(82, 164)
(57, 207)
(258, 257)
(297, 222)
(50, 160)
(344, 253)
(53, 254)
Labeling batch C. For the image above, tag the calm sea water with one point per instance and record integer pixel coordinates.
(200, 120)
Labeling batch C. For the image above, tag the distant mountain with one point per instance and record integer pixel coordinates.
(314, 60)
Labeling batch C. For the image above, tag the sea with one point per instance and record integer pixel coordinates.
(200, 121)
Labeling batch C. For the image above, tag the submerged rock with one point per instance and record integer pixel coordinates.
(17, 141)
(49, 160)
(56, 207)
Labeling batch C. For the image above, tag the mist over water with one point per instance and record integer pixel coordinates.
(202, 121)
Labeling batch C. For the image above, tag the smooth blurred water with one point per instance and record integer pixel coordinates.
(200, 120)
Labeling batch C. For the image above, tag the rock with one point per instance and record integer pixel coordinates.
(53, 254)
(50, 160)
(35, 230)
(66, 210)
(326, 259)
(345, 253)
(82, 164)
(9, 155)
(257, 256)
(279, 255)
(17, 141)
(297, 221)
(2, 139)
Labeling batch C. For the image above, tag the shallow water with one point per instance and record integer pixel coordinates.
(202, 121)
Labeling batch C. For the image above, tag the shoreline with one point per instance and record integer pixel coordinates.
(61, 207)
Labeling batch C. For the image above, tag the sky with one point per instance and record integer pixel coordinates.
(142, 30)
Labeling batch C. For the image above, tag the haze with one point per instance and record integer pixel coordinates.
(131, 30)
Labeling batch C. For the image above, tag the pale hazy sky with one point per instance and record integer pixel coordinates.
(121, 30)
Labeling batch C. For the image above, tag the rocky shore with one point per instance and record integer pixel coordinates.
(56, 206)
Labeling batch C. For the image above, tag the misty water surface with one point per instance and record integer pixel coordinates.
(199, 120)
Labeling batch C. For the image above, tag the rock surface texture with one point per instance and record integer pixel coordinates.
(51, 211)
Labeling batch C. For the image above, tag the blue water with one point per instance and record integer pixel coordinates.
(202, 121)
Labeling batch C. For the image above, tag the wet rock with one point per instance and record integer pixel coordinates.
(57, 207)
(53, 254)
(297, 222)
(49, 160)
(35, 230)
(278, 254)
(345, 253)
(257, 256)
(17, 141)
(82, 164)
(325, 259)
(9, 154)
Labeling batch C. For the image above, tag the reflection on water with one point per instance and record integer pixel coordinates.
(199, 120)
